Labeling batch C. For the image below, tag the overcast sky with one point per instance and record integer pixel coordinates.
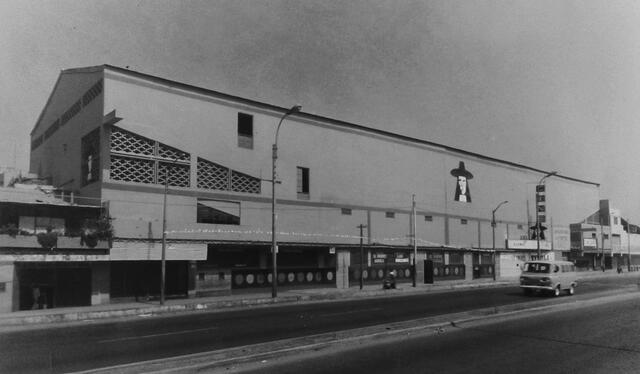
(550, 84)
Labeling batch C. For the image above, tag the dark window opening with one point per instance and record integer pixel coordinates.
(245, 130)
(218, 212)
(428, 218)
(90, 156)
(463, 221)
(303, 182)
(390, 215)
(346, 211)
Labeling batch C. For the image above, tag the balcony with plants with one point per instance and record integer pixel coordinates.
(61, 229)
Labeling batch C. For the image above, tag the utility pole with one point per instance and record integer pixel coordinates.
(274, 241)
(164, 236)
(628, 246)
(361, 227)
(413, 237)
(493, 231)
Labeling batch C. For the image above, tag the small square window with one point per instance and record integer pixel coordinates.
(245, 130)
(428, 218)
(463, 221)
(520, 227)
(346, 211)
(390, 215)
(201, 276)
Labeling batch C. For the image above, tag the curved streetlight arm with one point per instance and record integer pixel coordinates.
(294, 109)
(547, 176)
(499, 205)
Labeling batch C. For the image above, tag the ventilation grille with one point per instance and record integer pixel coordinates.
(244, 183)
(129, 169)
(127, 142)
(178, 174)
(217, 177)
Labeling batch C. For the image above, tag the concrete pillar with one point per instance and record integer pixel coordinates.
(343, 261)
(192, 274)
(100, 283)
(9, 300)
(422, 256)
(468, 266)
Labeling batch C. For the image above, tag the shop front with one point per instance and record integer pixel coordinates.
(231, 267)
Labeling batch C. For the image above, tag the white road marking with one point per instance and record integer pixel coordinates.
(157, 335)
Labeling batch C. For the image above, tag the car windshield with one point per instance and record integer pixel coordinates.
(536, 267)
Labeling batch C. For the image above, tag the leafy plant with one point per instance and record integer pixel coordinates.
(97, 229)
(10, 229)
(48, 240)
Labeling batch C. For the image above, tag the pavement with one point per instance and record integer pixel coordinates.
(247, 299)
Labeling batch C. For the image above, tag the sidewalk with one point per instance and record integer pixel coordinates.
(247, 300)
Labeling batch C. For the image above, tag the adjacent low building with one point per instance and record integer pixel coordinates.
(116, 137)
(49, 253)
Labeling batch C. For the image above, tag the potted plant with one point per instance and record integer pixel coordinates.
(95, 230)
(48, 240)
(11, 229)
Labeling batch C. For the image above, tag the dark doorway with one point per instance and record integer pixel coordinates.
(45, 286)
(141, 279)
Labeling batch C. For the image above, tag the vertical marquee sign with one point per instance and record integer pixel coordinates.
(540, 204)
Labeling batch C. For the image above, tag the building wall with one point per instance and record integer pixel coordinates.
(58, 157)
(370, 172)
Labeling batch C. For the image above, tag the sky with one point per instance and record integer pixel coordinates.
(551, 84)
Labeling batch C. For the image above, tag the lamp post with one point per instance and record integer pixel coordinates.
(361, 227)
(539, 232)
(274, 244)
(628, 245)
(163, 260)
(493, 229)
(414, 238)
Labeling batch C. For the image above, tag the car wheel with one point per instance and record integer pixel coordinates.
(572, 290)
(556, 291)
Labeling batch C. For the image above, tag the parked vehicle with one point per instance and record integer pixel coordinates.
(548, 276)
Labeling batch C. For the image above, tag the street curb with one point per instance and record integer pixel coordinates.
(53, 316)
(62, 316)
(224, 358)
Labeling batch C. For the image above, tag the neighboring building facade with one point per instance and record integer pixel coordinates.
(605, 239)
(111, 136)
(45, 260)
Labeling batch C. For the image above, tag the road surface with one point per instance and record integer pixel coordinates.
(598, 339)
(83, 346)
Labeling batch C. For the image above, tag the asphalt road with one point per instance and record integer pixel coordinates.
(75, 347)
(599, 339)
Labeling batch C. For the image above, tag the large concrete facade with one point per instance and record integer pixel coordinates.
(353, 175)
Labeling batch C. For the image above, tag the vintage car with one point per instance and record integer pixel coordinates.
(548, 276)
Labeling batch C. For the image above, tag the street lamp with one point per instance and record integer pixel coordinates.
(163, 260)
(274, 245)
(539, 231)
(493, 228)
